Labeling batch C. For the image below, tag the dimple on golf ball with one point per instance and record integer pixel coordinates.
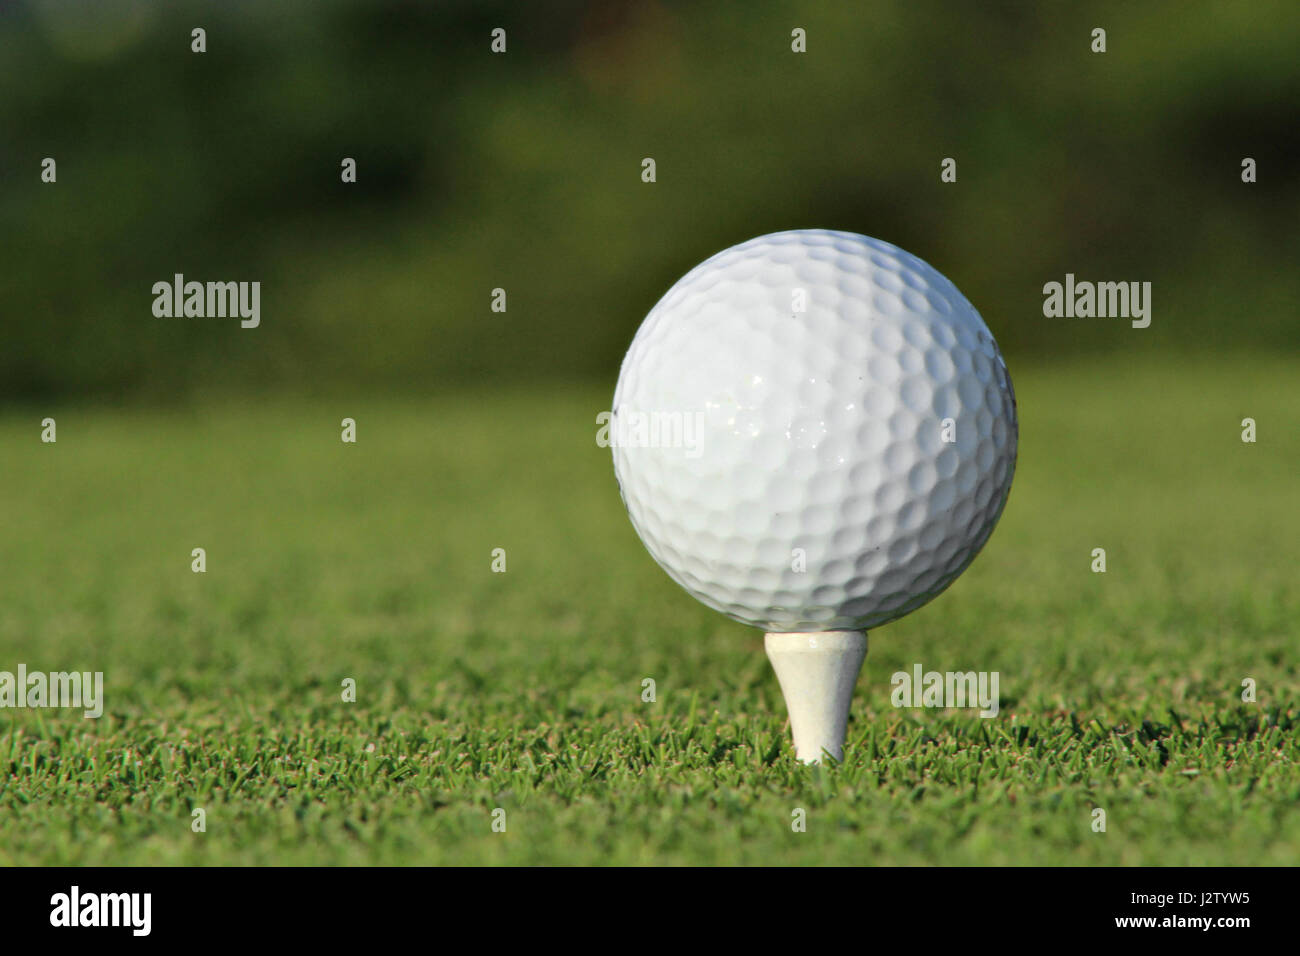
(814, 431)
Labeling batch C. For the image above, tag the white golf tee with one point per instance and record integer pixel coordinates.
(817, 672)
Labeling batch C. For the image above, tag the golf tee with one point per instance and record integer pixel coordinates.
(817, 672)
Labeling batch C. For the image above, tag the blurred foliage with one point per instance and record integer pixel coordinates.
(523, 171)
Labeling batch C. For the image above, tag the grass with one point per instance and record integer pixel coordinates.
(522, 690)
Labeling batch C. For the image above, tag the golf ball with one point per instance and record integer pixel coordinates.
(814, 431)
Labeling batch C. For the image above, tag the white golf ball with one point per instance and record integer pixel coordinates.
(814, 431)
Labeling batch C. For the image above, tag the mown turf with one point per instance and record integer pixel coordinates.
(522, 690)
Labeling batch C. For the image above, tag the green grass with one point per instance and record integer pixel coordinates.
(522, 690)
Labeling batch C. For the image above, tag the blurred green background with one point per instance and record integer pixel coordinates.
(522, 171)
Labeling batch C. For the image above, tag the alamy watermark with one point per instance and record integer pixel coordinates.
(76, 908)
(37, 689)
(209, 300)
(946, 689)
(627, 427)
(1102, 300)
